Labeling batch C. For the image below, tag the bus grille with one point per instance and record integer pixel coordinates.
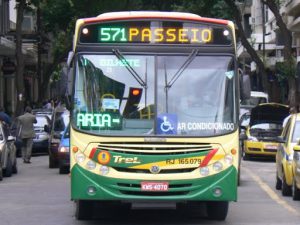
(166, 148)
(163, 171)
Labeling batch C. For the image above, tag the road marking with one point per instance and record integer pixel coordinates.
(273, 195)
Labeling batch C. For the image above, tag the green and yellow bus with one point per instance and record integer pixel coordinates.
(154, 114)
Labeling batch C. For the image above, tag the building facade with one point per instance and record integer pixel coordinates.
(8, 19)
(266, 39)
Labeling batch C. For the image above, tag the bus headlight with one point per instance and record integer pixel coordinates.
(90, 165)
(217, 166)
(80, 158)
(104, 170)
(204, 171)
(228, 159)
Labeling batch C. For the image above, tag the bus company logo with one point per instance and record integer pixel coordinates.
(104, 157)
(154, 169)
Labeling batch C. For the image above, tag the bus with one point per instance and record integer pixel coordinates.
(154, 112)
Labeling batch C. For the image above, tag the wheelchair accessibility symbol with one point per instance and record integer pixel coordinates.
(167, 124)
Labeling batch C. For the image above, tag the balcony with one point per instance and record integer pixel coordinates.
(292, 7)
(295, 25)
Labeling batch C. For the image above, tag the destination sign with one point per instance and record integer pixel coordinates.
(156, 32)
(98, 121)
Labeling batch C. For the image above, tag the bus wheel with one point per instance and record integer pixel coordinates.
(217, 210)
(63, 169)
(84, 209)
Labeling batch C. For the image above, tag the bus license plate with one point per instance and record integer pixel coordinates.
(154, 186)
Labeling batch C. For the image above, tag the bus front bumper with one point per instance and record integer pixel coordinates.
(89, 186)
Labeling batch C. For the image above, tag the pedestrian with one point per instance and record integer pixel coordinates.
(4, 116)
(26, 133)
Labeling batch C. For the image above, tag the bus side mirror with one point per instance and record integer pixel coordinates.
(70, 58)
(245, 86)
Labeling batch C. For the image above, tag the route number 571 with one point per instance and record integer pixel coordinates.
(112, 34)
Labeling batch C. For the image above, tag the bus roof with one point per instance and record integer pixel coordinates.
(152, 15)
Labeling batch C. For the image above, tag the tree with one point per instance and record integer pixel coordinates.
(19, 80)
(241, 33)
(59, 23)
(289, 64)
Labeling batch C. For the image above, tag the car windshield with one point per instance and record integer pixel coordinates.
(267, 126)
(41, 121)
(296, 133)
(155, 94)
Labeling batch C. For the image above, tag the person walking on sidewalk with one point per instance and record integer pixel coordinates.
(26, 133)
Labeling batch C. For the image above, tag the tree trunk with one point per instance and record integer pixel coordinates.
(287, 52)
(245, 43)
(19, 80)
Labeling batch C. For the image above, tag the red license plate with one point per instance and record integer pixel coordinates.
(154, 186)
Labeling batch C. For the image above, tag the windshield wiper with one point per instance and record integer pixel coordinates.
(169, 84)
(182, 68)
(136, 76)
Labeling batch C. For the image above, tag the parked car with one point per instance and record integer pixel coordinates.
(8, 160)
(64, 152)
(265, 126)
(60, 120)
(256, 98)
(41, 139)
(296, 172)
(285, 154)
(45, 112)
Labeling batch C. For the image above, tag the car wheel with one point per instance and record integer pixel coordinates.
(286, 189)
(217, 210)
(15, 168)
(1, 173)
(9, 168)
(278, 185)
(296, 191)
(84, 209)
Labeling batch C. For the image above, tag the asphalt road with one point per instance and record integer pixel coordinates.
(38, 195)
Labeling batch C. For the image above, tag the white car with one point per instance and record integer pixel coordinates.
(8, 161)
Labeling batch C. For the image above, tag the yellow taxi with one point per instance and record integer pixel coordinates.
(264, 127)
(285, 154)
(296, 170)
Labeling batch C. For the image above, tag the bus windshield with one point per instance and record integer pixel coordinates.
(142, 95)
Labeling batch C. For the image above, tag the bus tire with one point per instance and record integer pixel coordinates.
(296, 191)
(84, 209)
(217, 210)
(63, 169)
(52, 163)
